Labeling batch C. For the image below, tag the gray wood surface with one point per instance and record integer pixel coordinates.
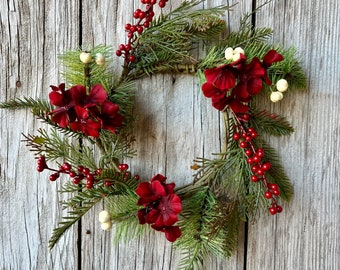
(175, 125)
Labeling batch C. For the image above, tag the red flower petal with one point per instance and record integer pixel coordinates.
(141, 216)
(144, 190)
(97, 95)
(78, 93)
(172, 233)
(237, 106)
(159, 177)
(56, 99)
(271, 57)
(222, 77)
(254, 86)
(157, 188)
(219, 102)
(210, 90)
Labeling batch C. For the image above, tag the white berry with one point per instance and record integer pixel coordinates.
(100, 59)
(85, 57)
(106, 226)
(236, 56)
(229, 53)
(276, 96)
(282, 85)
(239, 50)
(104, 216)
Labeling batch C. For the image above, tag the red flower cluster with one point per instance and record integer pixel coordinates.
(87, 113)
(234, 84)
(161, 206)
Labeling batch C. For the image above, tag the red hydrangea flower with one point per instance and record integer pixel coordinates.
(233, 85)
(87, 113)
(85, 124)
(64, 113)
(161, 206)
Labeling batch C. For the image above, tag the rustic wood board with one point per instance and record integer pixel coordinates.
(175, 125)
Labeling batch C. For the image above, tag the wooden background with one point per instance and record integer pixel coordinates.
(175, 125)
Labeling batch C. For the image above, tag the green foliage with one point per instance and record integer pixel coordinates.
(53, 146)
(167, 45)
(123, 210)
(74, 72)
(209, 226)
(79, 205)
(269, 123)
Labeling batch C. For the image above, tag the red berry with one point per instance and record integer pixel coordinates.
(256, 158)
(279, 208)
(161, 4)
(122, 47)
(274, 187)
(236, 136)
(72, 174)
(40, 168)
(118, 52)
(273, 210)
(98, 171)
(107, 183)
(254, 168)
(254, 178)
(54, 176)
(248, 152)
(90, 177)
(248, 138)
(127, 47)
(80, 168)
(260, 172)
(266, 166)
(136, 177)
(66, 166)
(132, 58)
(76, 180)
(127, 26)
(133, 29)
(89, 186)
(276, 192)
(250, 161)
(246, 116)
(268, 195)
(253, 134)
(142, 15)
(123, 167)
(243, 144)
(86, 171)
(146, 24)
(250, 130)
(140, 29)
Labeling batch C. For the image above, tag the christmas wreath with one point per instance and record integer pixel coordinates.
(93, 110)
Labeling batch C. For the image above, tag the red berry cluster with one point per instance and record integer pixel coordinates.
(144, 19)
(82, 173)
(66, 168)
(255, 158)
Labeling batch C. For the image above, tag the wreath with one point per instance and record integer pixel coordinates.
(94, 109)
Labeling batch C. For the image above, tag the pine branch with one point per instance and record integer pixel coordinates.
(81, 204)
(168, 43)
(265, 122)
(123, 210)
(26, 103)
(209, 226)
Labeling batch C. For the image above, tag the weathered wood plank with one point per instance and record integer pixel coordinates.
(32, 34)
(174, 125)
(306, 234)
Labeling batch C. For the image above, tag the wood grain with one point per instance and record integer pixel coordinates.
(175, 124)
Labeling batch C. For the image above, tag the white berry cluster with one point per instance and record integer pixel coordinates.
(86, 58)
(281, 86)
(233, 54)
(105, 220)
